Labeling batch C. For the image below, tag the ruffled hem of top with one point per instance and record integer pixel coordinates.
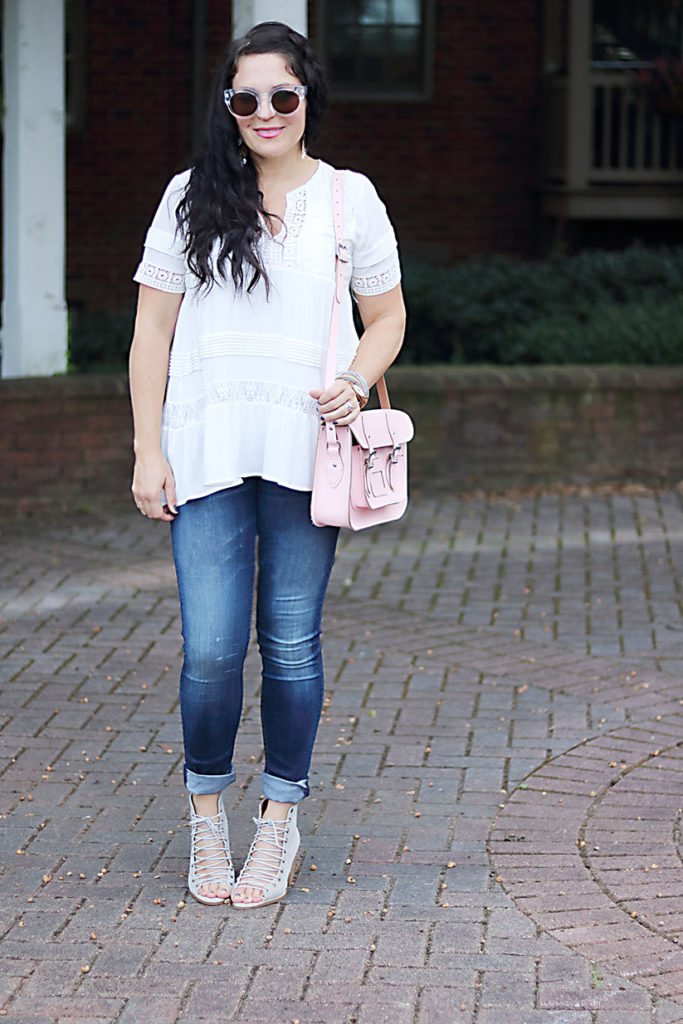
(281, 449)
(227, 484)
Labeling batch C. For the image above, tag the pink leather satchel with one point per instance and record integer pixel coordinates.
(361, 471)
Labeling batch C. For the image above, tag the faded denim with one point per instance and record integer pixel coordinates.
(219, 543)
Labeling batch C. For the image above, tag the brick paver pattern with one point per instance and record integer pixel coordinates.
(494, 831)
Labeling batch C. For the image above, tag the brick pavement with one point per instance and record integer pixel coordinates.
(494, 832)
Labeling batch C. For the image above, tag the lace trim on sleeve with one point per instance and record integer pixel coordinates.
(161, 278)
(378, 279)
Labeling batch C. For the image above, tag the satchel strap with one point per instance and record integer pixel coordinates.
(341, 256)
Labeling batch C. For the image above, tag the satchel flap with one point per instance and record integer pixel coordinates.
(382, 428)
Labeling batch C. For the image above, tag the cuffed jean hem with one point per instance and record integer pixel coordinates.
(202, 785)
(283, 791)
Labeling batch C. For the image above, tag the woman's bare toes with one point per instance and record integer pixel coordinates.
(247, 895)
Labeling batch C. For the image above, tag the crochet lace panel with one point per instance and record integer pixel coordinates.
(183, 414)
(160, 277)
(282, 250)
(382, 278)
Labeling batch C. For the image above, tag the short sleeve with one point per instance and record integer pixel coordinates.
(163, 264)
(376, 267)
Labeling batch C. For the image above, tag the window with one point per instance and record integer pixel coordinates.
(638, 31)
(376, 49)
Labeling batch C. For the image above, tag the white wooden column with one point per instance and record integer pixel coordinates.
(34, 320)
(246, 13)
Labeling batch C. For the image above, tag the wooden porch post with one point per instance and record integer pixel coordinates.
(579, 112)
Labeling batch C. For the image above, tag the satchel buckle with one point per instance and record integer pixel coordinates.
(369, 461)
(343, 253)
(393, 458)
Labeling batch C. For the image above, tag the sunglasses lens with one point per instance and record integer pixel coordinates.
(243, 104)
(285, 101)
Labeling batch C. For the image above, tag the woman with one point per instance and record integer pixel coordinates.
(237, 280)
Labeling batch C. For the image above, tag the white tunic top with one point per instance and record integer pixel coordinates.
(242, 365)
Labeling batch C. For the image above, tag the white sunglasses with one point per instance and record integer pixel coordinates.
(283, 99)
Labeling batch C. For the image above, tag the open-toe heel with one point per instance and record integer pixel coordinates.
(269, 866)
(210, 859)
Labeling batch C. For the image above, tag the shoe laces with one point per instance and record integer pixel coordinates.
(264, 861)
(210, 848)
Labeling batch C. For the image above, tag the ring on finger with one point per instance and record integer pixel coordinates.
(349, 406)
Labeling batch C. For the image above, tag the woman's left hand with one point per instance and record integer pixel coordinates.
(338, 404)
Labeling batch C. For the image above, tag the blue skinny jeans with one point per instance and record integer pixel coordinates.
(216, 554)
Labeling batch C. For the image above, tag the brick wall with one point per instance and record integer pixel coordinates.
(457, 172)
(518, 426)
(137, 135)
(65, 442)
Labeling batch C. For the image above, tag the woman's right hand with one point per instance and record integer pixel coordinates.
(151, 476)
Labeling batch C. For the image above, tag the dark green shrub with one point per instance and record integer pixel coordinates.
(621, 307)
(647, 333)
(99, 342)
(595, 307)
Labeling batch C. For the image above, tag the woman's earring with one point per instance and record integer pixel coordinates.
(242, 150)
(304, 151)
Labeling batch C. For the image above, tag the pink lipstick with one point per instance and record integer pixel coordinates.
(268, 133)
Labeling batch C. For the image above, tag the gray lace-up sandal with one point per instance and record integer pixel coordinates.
(209, 852)
(270, 862)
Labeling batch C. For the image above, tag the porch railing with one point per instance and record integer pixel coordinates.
(625, 139)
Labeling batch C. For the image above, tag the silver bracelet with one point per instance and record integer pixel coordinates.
(355, 378)
(361, 394)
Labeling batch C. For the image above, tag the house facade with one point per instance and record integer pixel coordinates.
(490, 127)
(452, 150)
(611, 139)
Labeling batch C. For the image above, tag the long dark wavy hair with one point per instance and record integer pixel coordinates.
(222, 199)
